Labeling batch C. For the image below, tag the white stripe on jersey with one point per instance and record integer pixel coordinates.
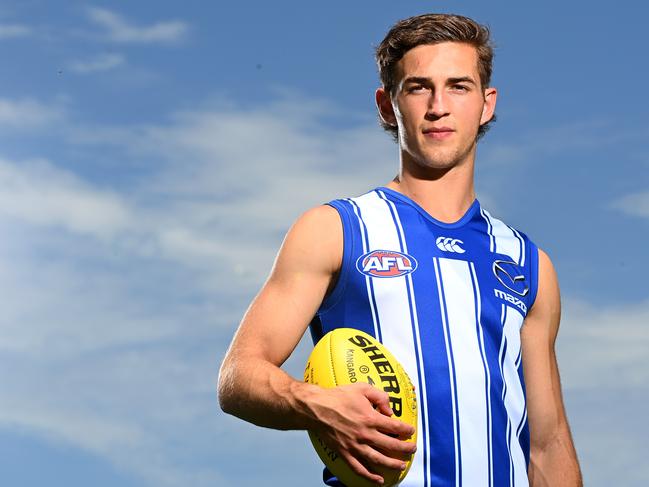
(469, 370)
(394, 314)
(506, 241)
(514, 396)
(489, 231)
(522, 241)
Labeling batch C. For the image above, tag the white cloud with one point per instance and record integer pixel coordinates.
(120, 30)
(605, 346)
(135, 422)
(103, 62)
(39, 193)
(11, 31)
(557, 140)
(27, 113)
(102, 352)
(217, 167)
(636, 204)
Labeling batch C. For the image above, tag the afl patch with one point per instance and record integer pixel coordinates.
(385, 263)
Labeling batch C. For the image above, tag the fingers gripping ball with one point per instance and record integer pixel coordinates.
(347, 356)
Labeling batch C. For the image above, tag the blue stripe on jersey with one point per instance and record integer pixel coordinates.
(523, 431)
(534, 273)
(453, 378)
(524, 440)
(369, 282)
(350, 287)
(521, 423)
(504, 394)
(436, 388)
(511, 460)
(501, 454)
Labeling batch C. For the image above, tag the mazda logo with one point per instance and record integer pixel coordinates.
(507, 272)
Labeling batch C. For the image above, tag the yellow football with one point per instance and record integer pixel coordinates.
(346, 356)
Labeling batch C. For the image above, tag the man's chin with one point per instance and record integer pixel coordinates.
(447, 157)
(441, 160)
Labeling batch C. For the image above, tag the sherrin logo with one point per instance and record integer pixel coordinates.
(386, 263)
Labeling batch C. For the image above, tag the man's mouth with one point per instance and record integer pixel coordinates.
(438, 132)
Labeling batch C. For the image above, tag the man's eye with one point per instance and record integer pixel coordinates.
(416, 88)
(460, 88)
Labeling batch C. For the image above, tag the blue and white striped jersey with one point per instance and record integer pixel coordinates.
(448, 300)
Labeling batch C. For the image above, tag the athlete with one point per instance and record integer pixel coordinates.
(468, 304)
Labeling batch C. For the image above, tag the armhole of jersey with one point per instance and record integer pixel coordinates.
(339, 288)
(534, 273)
(316, 329)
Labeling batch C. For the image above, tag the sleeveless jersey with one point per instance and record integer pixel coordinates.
(448, 300)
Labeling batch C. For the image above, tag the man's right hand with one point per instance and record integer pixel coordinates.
(355, 421)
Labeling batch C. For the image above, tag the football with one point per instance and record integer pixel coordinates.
(347, 356)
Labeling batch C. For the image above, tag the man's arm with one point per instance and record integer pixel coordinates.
(252, 385)
(553, 460)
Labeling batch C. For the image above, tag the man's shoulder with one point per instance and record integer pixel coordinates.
(313, 244)
(318, 218)
(318, 227)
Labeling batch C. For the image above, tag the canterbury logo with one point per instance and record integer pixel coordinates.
(448, 244)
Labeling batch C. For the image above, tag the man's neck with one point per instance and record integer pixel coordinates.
(445, 194)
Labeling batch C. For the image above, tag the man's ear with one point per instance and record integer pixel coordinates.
(384, 106)
(489, 108)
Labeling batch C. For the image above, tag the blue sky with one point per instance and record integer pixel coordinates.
(153, 154)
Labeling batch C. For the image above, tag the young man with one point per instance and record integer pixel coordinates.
(472, 314)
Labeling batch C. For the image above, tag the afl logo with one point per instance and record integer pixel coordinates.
(385, 263)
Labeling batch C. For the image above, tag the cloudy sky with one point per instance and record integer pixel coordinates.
(153, 154)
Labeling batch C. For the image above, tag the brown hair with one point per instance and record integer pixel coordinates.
(432, 29)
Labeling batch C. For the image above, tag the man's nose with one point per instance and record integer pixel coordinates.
(437, 104)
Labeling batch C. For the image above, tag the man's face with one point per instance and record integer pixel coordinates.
(438, 104)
